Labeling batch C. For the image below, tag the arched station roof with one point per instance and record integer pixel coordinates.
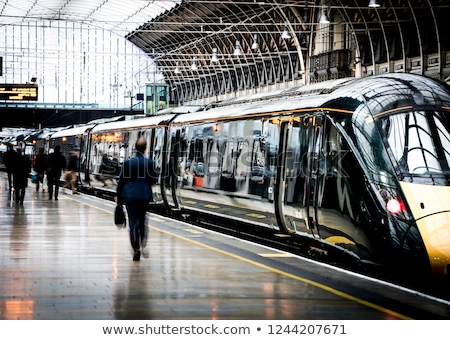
(363, 37)
(120, 16)
(360, 38)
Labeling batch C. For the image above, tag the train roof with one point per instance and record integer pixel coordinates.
(134, 123)
(311, 89)
(372, 95)
(380, 94)
(72, 131)
(312, 96)
(180, 109)
(160, 118)
(106, 120)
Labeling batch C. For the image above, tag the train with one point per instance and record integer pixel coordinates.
(354, 168)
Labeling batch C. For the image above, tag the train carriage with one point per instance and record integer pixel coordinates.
(353, 169)
(345, 163)
(111, 143)
(71, 139)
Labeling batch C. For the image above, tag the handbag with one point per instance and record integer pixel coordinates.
(119, 216)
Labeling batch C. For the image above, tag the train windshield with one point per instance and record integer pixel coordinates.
(419, 145)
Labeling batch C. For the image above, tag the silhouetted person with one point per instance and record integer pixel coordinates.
(105, 171)
(56, 163)
(40, 165)
(10, 160)
(134, 189)
(72, 171)
(21, 172)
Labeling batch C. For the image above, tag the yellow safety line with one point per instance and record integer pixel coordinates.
(292, 276)
(274, 270)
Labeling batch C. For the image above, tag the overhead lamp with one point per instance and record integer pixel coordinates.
(285, 34)
(177, 69)
(373, 4)
(255, 44)
(214, 58)
(194, 65)
(324, 18)
(237, 49)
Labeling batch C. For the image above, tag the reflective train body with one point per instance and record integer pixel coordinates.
(354, 167)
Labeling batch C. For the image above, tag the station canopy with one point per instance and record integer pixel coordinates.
(212, 48)
(119, 16)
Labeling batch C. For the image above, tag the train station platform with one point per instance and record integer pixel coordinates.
(66, 260)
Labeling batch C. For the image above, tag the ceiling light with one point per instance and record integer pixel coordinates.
(177, 69)
(255, 44)
(214, 58)
(324, 19)
(194, 65)
(237, 50)
(285, 34)
(373, 4)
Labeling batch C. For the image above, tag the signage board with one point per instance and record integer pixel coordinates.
(18, 92)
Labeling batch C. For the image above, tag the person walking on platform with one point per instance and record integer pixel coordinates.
(40, 167)
(56, 163)
(22, 170)
(105, 167)
(72, 171)
(134, 189)
(10, 160)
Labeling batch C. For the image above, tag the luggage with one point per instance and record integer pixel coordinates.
(119, 216)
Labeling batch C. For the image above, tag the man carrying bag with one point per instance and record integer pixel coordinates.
(134, 189)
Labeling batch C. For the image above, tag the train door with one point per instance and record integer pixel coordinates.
(163, 163)
(313, 173)
(343, 201)
(298, 174)
(174, 168)
(83, 175)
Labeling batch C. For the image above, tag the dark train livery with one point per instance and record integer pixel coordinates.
(360, 166)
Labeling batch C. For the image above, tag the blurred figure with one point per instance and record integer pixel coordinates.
(85, 168)
(22, 170)
(56, 163)
(10, 160)
(40, 167)
(135, 191)
(72, 171)
(104, 170)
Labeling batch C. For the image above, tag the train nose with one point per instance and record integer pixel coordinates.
(430, 206)
(435, 231)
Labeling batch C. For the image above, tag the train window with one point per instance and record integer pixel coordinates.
(359, 135)
(419, 143)
(443, 128)
(230, 156)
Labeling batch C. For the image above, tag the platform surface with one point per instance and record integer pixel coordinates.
(66, 259)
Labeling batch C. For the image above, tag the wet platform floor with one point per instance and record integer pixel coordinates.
(65, 259)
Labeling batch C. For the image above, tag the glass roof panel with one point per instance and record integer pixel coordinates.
(119, 16)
